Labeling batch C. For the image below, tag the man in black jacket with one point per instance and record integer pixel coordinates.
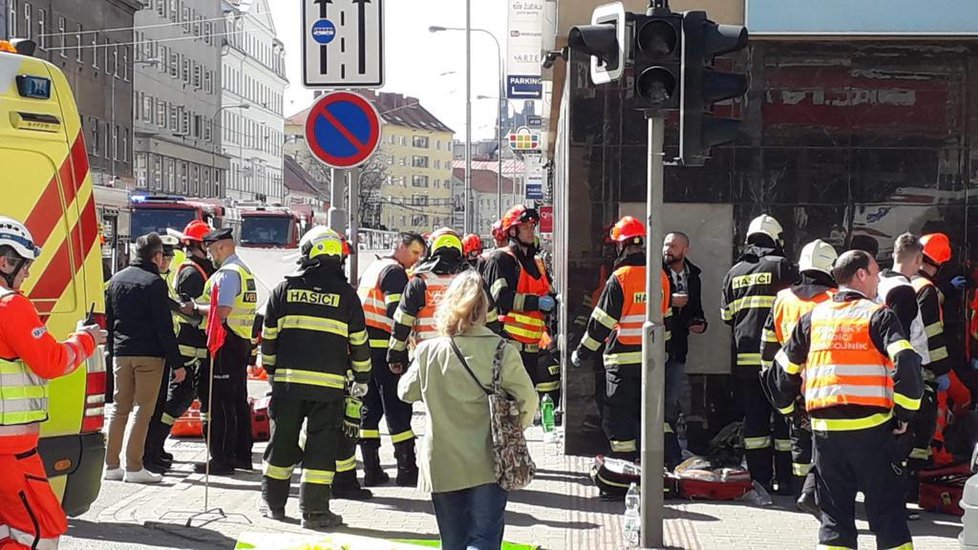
(142, 341)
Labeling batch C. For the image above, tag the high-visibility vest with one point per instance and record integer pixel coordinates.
(424, 321)
(844, 367)
(23, 394)
(789, 308)
(374, 302)
(918, 337)
(527, 327)
(920, 283)
(632, 279)
(241, 321)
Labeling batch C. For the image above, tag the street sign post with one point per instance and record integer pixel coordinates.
(342, 129)
(343, 43)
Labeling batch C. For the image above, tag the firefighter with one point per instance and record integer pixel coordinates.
(618, 319)
(30, 513)
(472, 249)
(814, 286)
(231, 440)
(381, 288)
(190, 277)
(499, 239)
(520, 288)
(937, 366)
(852, 363)
(314, 309)
(748, 293)
(416, 315)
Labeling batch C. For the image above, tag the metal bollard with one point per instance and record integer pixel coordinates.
(968, 540)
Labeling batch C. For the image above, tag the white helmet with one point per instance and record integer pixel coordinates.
(765, 225)
(817, 255)
(15, 235)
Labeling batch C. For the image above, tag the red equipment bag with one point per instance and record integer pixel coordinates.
(941, 488)
(613, 477)
(190, 423)
(261, 427)
(698, 479)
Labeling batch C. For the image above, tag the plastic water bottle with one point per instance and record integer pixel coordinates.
(631, 526)
(547, 418)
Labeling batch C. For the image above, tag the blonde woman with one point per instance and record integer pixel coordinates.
(456, 460)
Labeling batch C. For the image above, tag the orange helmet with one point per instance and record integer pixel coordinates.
(517, 215)
(628, 230)
(937, 247)
(195, 231)
(472, 244)
(497, 230)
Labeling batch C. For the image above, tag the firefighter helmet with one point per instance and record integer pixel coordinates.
(765, 225)
(472, 244)
(497, 230)
(817, 255)
(937, 248)
(442, 239)
(195, 231)
(321, 242)
(628, 230)
(15, 235)
(517, 215)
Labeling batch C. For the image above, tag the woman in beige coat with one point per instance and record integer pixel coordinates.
(456, 460)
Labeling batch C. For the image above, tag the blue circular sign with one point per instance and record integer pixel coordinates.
(323, 31)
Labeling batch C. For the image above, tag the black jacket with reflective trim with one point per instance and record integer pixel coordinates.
(190, 283)
(314, 324)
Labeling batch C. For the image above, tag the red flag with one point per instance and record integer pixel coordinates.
(215, 328)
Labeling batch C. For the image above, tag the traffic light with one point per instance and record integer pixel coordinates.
(657, 50)
(702, 86)
(604, 41)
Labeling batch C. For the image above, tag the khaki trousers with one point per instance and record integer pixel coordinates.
(137, 385)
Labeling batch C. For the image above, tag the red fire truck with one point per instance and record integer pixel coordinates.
(158, 212)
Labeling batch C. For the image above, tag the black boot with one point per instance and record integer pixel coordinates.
(346, 486)
(274, 494)
(407, 467)
(806, 499)
(319, 522)
(373, 473)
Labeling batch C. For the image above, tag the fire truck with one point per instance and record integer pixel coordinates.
(158, 212)
(270, 226)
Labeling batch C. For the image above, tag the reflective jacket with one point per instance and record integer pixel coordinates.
(29, 357)
(747, 296)
(516, 283)
(313, 333)
(380, 290)
(620, 315)
(897, 293)
(789, 306)
(191, 277)
(851, 360)
(241, 321)
(931, 300)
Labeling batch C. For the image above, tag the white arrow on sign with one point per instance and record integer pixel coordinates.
(343, 43)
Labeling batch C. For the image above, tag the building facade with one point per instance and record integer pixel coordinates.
(253, 67)
(483, 201)
(177, 98)
(98, 65)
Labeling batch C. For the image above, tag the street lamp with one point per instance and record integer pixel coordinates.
(218, 129)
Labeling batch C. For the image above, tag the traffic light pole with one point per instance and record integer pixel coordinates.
(653, 347)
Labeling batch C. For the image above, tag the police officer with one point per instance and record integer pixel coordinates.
(814, 286)
(618, 320)
(416, 315)
(313, 332)
(520, 288)
(851, 361)
(748, 293)
(234, 286)
(380, 291)
(190, 276)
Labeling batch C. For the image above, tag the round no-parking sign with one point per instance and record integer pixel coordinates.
(343, 129)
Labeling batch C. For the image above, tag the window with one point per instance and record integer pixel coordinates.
(186, 70)
(186, 19)
(198, 126)
(419, 200)
(174, 118)
(420, 141)
(403, 161)
(438, 144)
(161, 7)
(115, 60)
(197, 25)
(419, 220)
(419, 181)
(196, 76)
(115, 143)
(41, 28)
(174, 64)
(208, 83)
(108, 140)
(78, 45)
(108, 56)
(61, 35)
(419, 162)
(93, 124)
(148, 108)
(125, 63)
(184, 121)
(437, 163)
(208, 32)
(207, 130)
(174, 11)
(28, 19)
(161, 113)
(94, 50)
(12, 20)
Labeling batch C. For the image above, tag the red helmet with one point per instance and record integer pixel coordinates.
(472, 243)
(497, 230)
(628, 230)
(517, 215)
(937, 247)
(195, 231)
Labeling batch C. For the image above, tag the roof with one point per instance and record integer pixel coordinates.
(396, 109)
(484, 181)
(510, 166)
(297, 180)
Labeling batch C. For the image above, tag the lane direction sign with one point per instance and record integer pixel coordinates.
(343, 43)
(342, 129)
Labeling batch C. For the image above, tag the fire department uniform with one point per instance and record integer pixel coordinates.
(516, 283)
(313, 329)
(30, 513)
(789, 306)
(617, 322)
(380, 291)
(191, 277)
(231, 438)
(856, 370)
(749, 291)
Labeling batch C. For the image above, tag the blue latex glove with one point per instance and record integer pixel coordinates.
(959, 282)
(943, 382)
(546, 303)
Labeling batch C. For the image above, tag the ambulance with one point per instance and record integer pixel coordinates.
(47, 183)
